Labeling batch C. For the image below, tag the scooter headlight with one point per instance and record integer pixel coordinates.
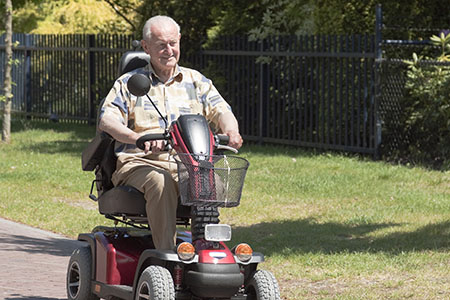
(217, 232)
(186, 251)
(243, 252)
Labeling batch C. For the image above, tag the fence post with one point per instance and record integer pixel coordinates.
(262, 94)
(27, 74)
(377, 79)
(91, 78)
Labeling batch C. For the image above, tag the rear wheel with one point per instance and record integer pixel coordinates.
(155, 283)
(78, 281)
(262, 286)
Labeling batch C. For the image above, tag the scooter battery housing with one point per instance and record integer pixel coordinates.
(118, 256)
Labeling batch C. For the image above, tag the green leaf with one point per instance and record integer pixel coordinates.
(435, 38)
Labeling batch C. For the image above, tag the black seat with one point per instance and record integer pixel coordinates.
(122, 200)
(125, 202)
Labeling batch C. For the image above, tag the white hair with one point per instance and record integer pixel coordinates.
(147, 32)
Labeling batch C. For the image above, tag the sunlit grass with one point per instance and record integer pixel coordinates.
(41, 182)
(331, 226)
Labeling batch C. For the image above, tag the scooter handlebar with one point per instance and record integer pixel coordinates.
(140, 143)
(223, 139)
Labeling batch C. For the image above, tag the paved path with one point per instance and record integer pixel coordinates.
(33, 263)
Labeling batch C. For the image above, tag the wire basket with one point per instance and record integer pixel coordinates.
(211, 180)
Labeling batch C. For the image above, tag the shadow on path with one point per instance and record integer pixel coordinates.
(20, 297)
(49, 245)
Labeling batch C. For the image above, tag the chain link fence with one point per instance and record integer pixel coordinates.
(395, 111)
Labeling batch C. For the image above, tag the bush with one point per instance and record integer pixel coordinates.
(427, 106)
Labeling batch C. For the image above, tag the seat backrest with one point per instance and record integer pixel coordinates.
(132, 60)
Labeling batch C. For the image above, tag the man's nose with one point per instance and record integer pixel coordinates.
(169, 49)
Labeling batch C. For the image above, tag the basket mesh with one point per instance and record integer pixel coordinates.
(211, 180)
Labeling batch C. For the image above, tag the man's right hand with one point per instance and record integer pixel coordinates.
(154, 146)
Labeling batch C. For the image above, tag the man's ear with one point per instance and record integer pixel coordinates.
(144, 45)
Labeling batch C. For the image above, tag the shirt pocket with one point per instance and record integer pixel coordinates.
(145, 116)
(196, 107)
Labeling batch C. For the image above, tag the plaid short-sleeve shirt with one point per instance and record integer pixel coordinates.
(187, 92)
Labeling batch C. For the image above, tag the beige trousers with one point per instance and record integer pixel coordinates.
(156, 177)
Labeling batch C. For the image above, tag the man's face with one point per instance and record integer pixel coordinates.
(163, 47)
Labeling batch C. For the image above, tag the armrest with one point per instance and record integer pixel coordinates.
(92, 155)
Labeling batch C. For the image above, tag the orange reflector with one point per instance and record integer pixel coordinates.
(185, 251)
(244, 252)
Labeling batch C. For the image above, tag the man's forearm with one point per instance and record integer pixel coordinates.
(229, 126)
(228, 123)
(117, 130)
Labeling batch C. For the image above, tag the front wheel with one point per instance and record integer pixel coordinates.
(262, 286)
(155, 283)
(79, 274)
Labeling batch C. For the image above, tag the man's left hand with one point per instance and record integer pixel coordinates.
(235, 139)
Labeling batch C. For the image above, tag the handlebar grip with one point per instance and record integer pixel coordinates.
(223, 139)
(140, 143)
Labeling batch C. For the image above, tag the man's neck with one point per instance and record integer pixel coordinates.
(164, 75)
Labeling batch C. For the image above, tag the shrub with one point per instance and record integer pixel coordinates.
(427, 106)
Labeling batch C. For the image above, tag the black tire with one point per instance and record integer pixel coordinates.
(155, 283)
(262, 286)
(79, 273)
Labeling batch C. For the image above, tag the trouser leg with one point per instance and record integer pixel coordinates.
(161, 194)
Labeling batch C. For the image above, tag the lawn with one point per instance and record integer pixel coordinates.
(331, 226)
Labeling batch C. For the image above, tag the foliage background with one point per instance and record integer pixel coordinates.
(202, 20)
(426, 107)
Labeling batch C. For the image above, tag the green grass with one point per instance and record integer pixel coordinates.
(331, 226)
(41, 182)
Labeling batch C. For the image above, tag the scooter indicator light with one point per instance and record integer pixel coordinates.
(186, 251)
(243, 252)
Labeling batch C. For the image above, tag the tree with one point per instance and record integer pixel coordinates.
(25, 14)
(285, 17)
(6, 128)
(74, 16)
(124, 8)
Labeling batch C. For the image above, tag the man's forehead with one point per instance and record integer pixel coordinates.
(164, 31)
(164, 40)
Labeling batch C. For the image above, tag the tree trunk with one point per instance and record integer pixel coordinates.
(6, 129)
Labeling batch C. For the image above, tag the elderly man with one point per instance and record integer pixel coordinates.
(175, 90)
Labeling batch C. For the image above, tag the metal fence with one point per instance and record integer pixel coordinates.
(312, 91)
(399, 44)
(63, 76)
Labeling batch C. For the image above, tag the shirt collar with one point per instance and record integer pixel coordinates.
(178, 75)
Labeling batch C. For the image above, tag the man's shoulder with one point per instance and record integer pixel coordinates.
(193, 74)
(186, 70)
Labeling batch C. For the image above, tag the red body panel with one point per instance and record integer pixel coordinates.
(117, 258)
(209, 255)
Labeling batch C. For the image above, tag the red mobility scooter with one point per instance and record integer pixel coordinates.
(122, 262)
